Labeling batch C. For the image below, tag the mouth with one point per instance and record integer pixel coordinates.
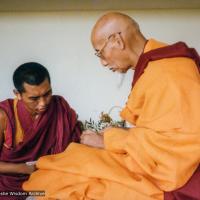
(41, 110)
(118, 70)
(113, 70)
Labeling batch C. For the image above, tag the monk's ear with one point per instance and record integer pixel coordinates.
(17, 94)
(118, 41)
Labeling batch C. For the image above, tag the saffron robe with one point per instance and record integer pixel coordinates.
(159, 154)
(191, 189)
(27, 140)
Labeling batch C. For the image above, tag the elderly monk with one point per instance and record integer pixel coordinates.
(33, 124)
(161, 152)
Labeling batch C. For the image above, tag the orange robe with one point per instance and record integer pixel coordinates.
(159, 154)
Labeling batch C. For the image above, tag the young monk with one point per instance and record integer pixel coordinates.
(161, 152)
(33, 124)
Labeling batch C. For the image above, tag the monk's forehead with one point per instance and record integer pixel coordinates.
(105, 28)
(111, 23)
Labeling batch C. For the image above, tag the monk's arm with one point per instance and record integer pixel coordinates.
(98, 140)
(6, 167)
(19, 168)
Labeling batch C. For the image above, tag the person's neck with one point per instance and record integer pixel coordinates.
(34, 116)
(137, 50)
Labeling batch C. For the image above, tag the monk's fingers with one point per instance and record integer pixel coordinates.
(94, 140)
(84, 133)
(82, 139)
(85, 137)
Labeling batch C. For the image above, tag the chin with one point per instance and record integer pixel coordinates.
(122, 71)
(41, 111)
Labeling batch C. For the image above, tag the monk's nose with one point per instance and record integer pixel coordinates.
(104, 62)
(42, 102)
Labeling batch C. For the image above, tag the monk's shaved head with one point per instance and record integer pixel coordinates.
(112, 23)
(117, 41)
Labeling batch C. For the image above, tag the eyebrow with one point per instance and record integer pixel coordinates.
(35, 97)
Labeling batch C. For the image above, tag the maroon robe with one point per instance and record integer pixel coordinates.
(191, 190)
(50, 133)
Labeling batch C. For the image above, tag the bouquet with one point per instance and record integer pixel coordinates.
(104, 122)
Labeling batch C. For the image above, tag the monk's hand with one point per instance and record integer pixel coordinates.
(92, 139)
(27, 168)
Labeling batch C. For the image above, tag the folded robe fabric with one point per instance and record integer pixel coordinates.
(191, 189)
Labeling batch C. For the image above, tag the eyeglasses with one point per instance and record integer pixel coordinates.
(98, 53)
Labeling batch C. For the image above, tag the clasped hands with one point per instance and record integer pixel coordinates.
(93, 139)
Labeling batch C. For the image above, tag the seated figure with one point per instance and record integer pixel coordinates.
(34, 124)
(161, 152)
